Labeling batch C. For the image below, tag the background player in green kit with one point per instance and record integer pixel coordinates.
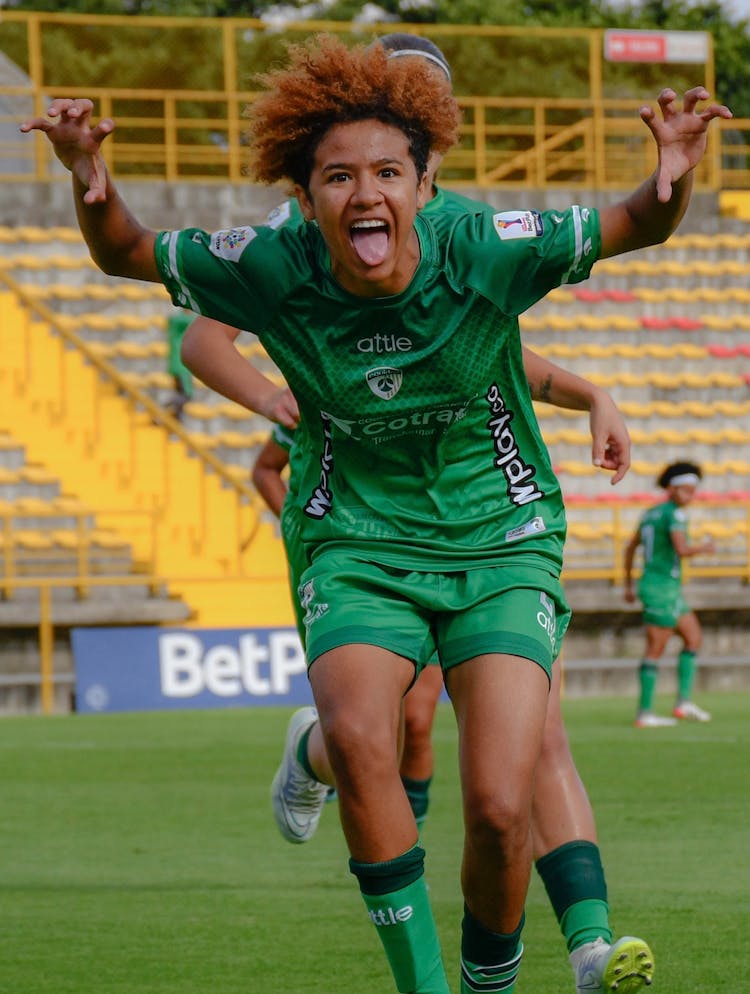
(426, 498)
(177, 324)
(662, 534)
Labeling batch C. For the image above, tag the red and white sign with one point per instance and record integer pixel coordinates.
(656, 46)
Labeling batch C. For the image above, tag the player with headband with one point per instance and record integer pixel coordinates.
(662, 534)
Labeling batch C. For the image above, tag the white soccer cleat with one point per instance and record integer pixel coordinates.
(297, 798)
(625, 967)
(649, 720)
(687, 711)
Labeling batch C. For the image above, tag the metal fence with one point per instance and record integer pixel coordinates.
(190, 126)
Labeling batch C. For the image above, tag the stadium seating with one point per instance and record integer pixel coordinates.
(45, 533)
(664, 330)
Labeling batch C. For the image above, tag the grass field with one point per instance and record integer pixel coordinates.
(139, 855)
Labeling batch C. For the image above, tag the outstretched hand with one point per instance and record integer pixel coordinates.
(76, 143)
(610, 440)
(680, 134)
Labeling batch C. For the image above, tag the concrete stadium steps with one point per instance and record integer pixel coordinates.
(99, 445)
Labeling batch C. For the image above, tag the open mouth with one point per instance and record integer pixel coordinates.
(370, 240)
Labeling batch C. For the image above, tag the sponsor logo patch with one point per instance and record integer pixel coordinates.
(532, 527)
(279, 215)
(519, 474)
(547, 619)
(518, 224)
(391, 916)
(231, 242)
(384, 381)
(313, 610)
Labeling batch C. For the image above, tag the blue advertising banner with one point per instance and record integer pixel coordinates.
(151, 668)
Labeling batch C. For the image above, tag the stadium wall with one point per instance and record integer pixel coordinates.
(222, 205)
(601, 652)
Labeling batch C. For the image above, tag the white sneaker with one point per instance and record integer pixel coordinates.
(688, 711)
(297, 798)
(647, 719)
(625, 967)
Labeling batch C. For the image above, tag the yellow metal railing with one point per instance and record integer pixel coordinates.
(74, 543)
(179, 132)
(598, 532)
(549, 143)
(45, 586)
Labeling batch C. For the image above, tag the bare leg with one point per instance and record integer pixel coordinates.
(656, 641)
(417, 761)
(500, 703)
(358, 691)
(690, 631)
(561, 810)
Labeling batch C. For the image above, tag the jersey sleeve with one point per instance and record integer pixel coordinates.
(236, 275)
(283, 437)
(678, 521)
(286, 213)
(516, 257)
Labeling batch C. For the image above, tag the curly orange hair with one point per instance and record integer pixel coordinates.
(327, 83)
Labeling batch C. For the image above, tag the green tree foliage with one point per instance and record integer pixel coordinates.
(493, 66)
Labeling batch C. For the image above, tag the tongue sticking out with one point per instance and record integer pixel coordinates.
(370, 244)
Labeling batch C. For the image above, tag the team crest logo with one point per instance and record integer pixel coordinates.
(384, 381)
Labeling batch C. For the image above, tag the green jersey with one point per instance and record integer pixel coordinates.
(661, 564)
(177, 324)
(417, 442)
(282, 436)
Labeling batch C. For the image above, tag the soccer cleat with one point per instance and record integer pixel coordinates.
(297, 798)
(687, 711)
(649, 720)
(625, 967)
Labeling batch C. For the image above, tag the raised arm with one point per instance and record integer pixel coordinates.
(610, 441)
(684, 549)
(650, 214)
(210, 353)
(118, 243)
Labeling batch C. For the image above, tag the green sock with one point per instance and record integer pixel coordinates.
(302, 758)
(395, 895)
(685, 675)
(418, 792)
(574, 879)
(489, 960)
(648, 675)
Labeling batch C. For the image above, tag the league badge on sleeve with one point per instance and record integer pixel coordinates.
(231, 242)
(518, 224)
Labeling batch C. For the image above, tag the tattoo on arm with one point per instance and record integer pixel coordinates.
(543, 391)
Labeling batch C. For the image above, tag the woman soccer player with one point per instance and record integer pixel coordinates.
(662, 534)
(426, 498)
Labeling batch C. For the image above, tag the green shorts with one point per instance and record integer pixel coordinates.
(663, 605)
(515, 609)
